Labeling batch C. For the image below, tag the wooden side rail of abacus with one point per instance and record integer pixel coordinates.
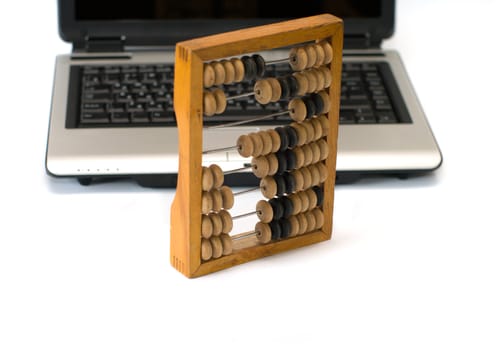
(188, 87)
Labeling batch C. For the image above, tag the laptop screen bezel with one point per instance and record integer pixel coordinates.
(167, 33)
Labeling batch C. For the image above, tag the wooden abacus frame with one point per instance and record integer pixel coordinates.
(185, 241)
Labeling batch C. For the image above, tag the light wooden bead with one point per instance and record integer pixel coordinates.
(305, 201)
(264, 211)
(298, 58)
(206, 226)
(220, 72)
(322, 170)
(263, 232)
(229, 72)
(320, 78)
(324, 149)
(226, 220)
(298, 179)
(239, 69)
(297, 109)
(311, 222)
(308, 154)
(294, 223)
(275, 140)
(209, 75)
(312, 198)
(306, 177)
(263, 91)
(327, 76)
(299, 154)
(276, 89)
(257, 144)
(220, 100)
(310, 132)
(303, 223)
(206, 249)
(312, 55)
(315, 151)
(260, 166)
(320, 55)
(315, 175)
(245, 146)
(267, 142)
(302, 83)
(228, 198)
(272, 163)
(327, 51)
(217, 199)
(217, 247)
(217, 224)
(268, 187)
(319, 218)
(217, 175)
(227, 244)
(301, 133)
(207, 179)
(325, 124)
(312, 81)
(206, 202)
(297, 205)
(327, 102)
(209, 103)
(317, 128)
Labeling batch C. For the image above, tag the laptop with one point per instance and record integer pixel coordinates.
(112, 115)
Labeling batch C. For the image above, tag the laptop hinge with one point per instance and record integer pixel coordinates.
(104, 44)
(360, 41)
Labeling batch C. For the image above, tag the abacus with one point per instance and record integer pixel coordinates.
(295, 163)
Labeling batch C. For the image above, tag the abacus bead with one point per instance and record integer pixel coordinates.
(310, 219)
(315, 150)
(267, 142)
(297, 109)
(296, 203)
(217, 224)
(320, 79)
(327, 76)
(299, 153)
(303, 223)
(229, 72)
(268, 187)
(312, 198)
(310, 107)
(217, 175)
(260, 166)
(320, 55)
(263, 91)
(257, 143)
(298, 179)
(308, 154)
(291, 160)
(217, 199)
(290, 184)
(315, 175)
(287, 205)
(293, 86)
(318, 101)
(217, 247)
(301, 133)
(322, 170)
(275, 140)
(294, 226)
(206, 202)
(324, 149)
(264, 211)
(239, 69)
(312, 55)
(209, 103)
(280, 181)
(298, 58)
(327, 51)
(276, 90)
(292, 135)
(276, 230)
(245, 145)
(306, 177)
(319, 218)
(220, 73)
(302, 83)
(325, 124)
(227, 244)
(320, 195)
(282, 163)
(277, 207)
(260, 65)
(263, 232)
(310, 132)
(327, 102)
(228, 199)
(206, 226)
(207, 179)
(250, 68)
(284, 139)
(285, 228)
(227, 221)
(272, 163)
(312, 81)
(209, 75)
(284, 87)
(220, 100)
(206, 249)
(305, 201)
(317, 128)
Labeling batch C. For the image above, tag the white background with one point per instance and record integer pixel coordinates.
(413, 264)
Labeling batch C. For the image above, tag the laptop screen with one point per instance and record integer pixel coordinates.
(165, 22)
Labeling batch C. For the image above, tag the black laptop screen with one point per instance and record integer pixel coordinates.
(96, 10)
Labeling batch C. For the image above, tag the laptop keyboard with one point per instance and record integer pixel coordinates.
(130, 95)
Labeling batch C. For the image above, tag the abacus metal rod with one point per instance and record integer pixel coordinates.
(245, 94)
(250, 120)
(244, 235)
(280, 60)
